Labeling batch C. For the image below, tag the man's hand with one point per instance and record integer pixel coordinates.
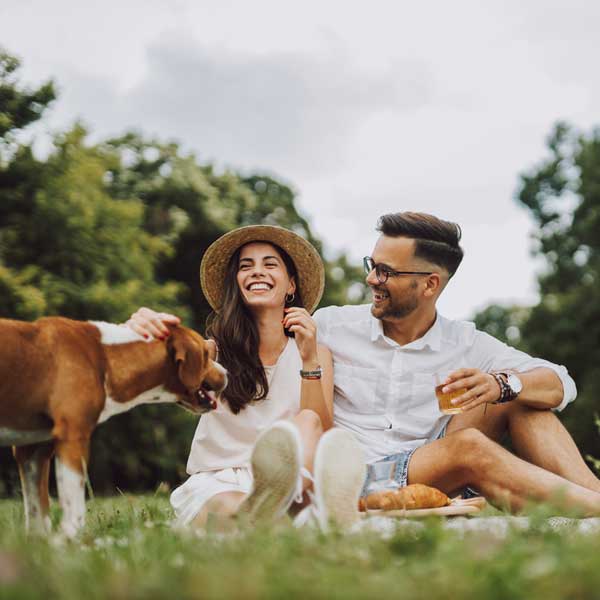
(149, 323)
(481, 388)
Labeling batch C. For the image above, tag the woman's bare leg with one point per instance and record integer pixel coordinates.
(219, 510)
(309, 425)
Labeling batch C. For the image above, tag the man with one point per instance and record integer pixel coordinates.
(385, 355)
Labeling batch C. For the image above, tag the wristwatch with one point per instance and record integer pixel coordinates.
(510, 386)
(515, 384)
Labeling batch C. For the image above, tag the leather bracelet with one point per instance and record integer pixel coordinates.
(506, 394)
(311, 375)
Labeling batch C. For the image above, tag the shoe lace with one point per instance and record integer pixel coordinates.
(310, 513)
(298, 494)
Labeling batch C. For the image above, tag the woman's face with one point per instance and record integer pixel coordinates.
(262, 276)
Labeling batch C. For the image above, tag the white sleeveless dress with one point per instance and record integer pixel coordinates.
(219, 459)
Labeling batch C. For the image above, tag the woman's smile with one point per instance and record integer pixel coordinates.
(259, 287)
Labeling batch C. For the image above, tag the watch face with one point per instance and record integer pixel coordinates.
(515, 384)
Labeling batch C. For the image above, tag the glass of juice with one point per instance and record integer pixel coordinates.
(444, 400)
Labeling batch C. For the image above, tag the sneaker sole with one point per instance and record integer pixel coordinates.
(275, 461)
(340, 473)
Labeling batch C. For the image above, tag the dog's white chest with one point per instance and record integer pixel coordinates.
(153, 396)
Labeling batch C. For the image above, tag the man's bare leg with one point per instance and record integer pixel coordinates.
(537, 436)
(470, 458)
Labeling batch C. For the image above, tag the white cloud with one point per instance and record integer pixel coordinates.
(283, 112)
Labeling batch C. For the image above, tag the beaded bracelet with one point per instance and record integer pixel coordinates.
(506, 394)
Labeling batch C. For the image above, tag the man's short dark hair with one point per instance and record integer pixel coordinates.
(436, 240)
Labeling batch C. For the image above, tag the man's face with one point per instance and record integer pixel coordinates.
(399, 296)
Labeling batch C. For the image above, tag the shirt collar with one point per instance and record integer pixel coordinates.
(376, 329)
(432, 338)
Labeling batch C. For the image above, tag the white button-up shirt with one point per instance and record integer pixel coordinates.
(385, 392)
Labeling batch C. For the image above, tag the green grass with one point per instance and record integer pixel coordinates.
(128, 551)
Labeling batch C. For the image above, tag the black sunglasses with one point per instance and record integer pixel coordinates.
(382, 272)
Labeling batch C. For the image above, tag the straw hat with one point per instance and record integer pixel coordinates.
(309, 266)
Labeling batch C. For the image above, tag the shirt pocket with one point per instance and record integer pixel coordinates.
(422, 410)
(356, 387)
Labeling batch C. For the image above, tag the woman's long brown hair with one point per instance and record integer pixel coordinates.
(235, 332)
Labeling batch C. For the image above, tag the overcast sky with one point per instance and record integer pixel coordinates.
(363, 108)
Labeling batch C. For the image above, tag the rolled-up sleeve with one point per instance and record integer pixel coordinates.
(490, 354)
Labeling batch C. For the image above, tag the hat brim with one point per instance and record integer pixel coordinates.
(308, 263)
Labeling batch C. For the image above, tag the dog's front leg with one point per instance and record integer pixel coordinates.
(71, 458)
(34, 464)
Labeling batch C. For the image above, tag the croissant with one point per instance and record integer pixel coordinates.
(412, 496)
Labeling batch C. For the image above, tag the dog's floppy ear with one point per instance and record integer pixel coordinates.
(189, 355)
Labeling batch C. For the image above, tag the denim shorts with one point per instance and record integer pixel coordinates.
(391, 473)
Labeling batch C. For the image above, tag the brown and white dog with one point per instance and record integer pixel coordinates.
(59, 378)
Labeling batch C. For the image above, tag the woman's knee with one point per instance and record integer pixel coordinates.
(220, 506)
(309, 421)
(225, 503)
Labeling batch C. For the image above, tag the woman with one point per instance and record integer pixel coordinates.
(262, 282)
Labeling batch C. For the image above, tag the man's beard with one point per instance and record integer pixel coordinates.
(396, 309)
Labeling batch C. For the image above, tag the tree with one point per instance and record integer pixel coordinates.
(84, 253)
(562, 194)
(504, 323)
(19, 106)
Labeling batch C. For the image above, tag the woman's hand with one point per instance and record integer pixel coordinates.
(149, 323)
(304, 328)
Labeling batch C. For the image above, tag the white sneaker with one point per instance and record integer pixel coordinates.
(339, 474)
(276, 462)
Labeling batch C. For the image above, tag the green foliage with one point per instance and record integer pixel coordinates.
(19, 295)
(84, 253)
(19, 106)
(595, 462)
(128, 550)
(562, 194)
(142, 448)
(504, 323)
